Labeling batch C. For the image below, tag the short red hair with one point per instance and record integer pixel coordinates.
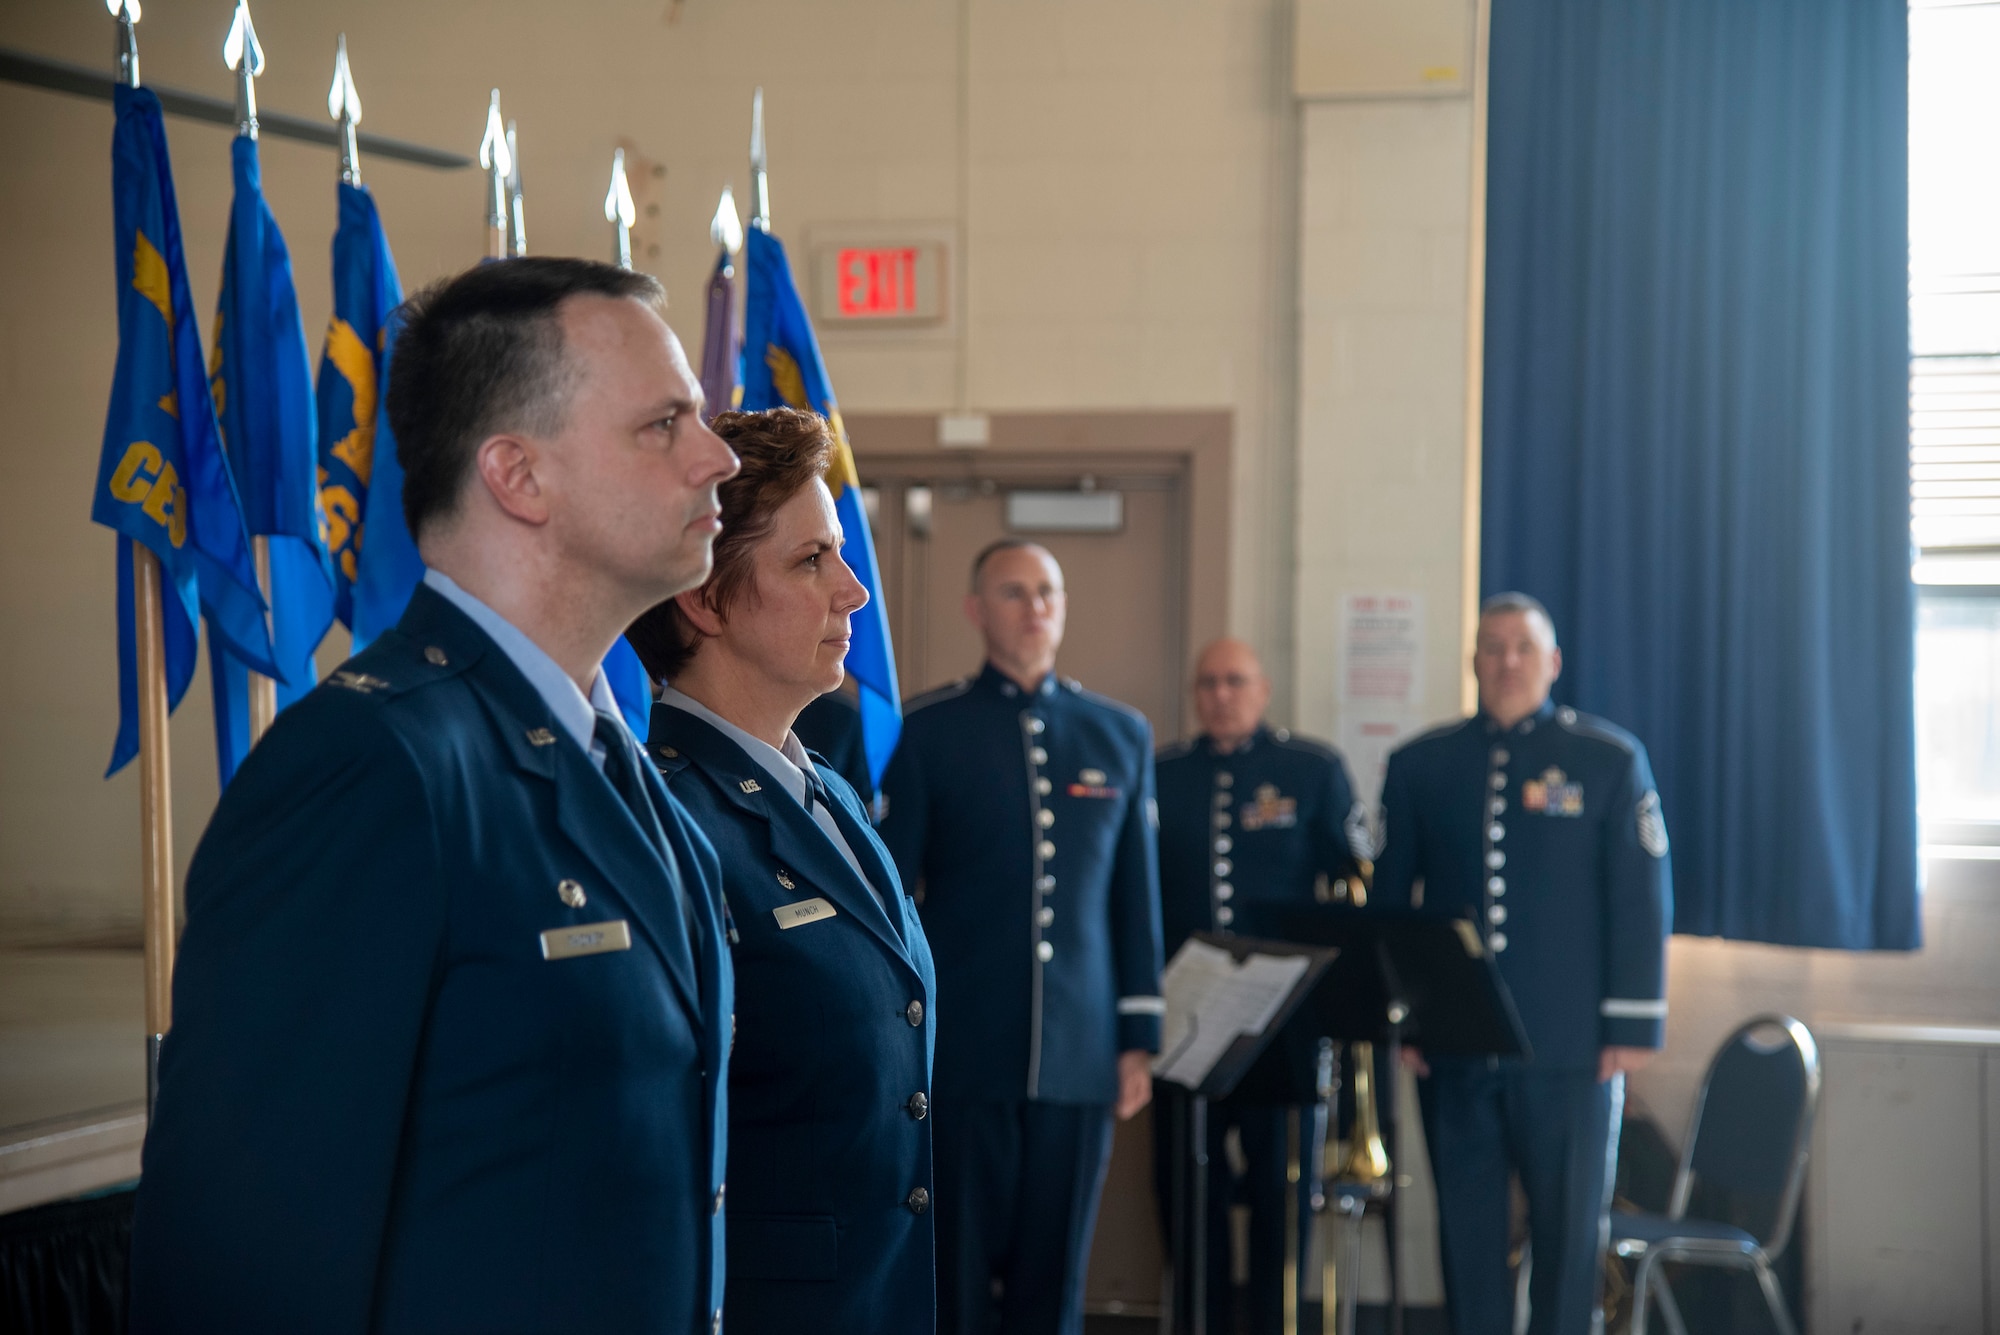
(784, 450)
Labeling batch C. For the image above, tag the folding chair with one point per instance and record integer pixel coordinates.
(1750, 1135)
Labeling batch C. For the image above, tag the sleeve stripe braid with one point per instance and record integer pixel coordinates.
(1630, 1008)
(1142, 1005)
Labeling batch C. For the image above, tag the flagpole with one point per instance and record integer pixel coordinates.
(499, 164)
(620, 211)
(344, 105)
(242, 53)
(760, 187)
(517, 216)
(156, 836)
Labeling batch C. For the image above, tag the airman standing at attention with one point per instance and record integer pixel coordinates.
(1251, 820)
(1542, 826)
(1020, 807)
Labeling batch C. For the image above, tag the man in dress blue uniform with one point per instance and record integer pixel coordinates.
(452, 1012)
(1252, 821)
(1542, 826)
(1020, 808)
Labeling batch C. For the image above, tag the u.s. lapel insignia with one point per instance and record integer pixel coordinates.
(541, 737)
(357, 681)
(785, 879)
(570, 892)
(751, 786)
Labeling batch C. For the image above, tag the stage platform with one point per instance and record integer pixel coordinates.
(72, 1063)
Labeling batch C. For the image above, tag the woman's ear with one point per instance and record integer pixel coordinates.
(695, 607)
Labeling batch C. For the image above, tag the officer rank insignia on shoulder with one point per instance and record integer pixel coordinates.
(1266, 810)
(1552, 795)
(1652, 826)
(358, 681)
(1091, 783)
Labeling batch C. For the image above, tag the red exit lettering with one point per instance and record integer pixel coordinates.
(877, 283)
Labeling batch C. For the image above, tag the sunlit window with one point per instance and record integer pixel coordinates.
(1955, 412)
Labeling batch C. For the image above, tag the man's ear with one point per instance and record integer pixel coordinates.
(1555, 663)
(972, 613)
(694, 606)
(506, 465)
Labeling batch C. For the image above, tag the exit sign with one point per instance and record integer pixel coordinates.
(897, 284)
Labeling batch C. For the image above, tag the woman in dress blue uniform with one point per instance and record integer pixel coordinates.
(829, 1227)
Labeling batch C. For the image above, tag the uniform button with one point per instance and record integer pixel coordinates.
(1499, 782)
(1527, 726)
(1499, 806)
(1044, 951)
(435, 656)
(1496, 832)
(1496, 914)
(1224, 890)
(918, 1200)
(919, 1105)
(1045, 818)
(1500, 757)
(1223, 843)
(720, 1192)
(1223, 867)
(1225, 779)
(1043, 786)
(1498, 941)
(1010, 690)
(1223, 820)
(914, 1013)
(1034, 724)
(1045, 915)
(1225, 915)
(1046, 849)
(1495, 886)
(1038, 756)
(1045, 885)
(1496, 859)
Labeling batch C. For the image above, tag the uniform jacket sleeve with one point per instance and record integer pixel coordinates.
(1342, 827)
(1638, 884)
(1398, 838)
(1135, 911)
(316, 919)
(905, 822)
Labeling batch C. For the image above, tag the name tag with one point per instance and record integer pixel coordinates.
(595, 938)
(805, 911)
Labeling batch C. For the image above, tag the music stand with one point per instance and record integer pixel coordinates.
(1188, 1244)
(1405, 977)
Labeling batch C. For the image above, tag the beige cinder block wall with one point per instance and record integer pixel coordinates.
(1120, 172)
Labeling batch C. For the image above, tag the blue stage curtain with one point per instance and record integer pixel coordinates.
(1697, 432)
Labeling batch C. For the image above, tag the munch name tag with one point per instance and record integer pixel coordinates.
(805, 911)
(592, 938)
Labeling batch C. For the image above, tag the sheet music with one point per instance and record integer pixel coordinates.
(1211, 999)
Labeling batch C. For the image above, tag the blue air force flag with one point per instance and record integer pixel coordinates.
(357, 453)
(162, 479)
(782, 368)
(261, 378)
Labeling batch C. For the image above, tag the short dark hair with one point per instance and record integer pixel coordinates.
(997, 546)
(783, 450)
(1518, 602)
(483, 352)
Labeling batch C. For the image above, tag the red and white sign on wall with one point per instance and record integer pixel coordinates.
(879, 284)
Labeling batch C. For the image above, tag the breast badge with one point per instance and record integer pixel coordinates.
(1552, 795)
(1267, 810)
(1091, 783)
